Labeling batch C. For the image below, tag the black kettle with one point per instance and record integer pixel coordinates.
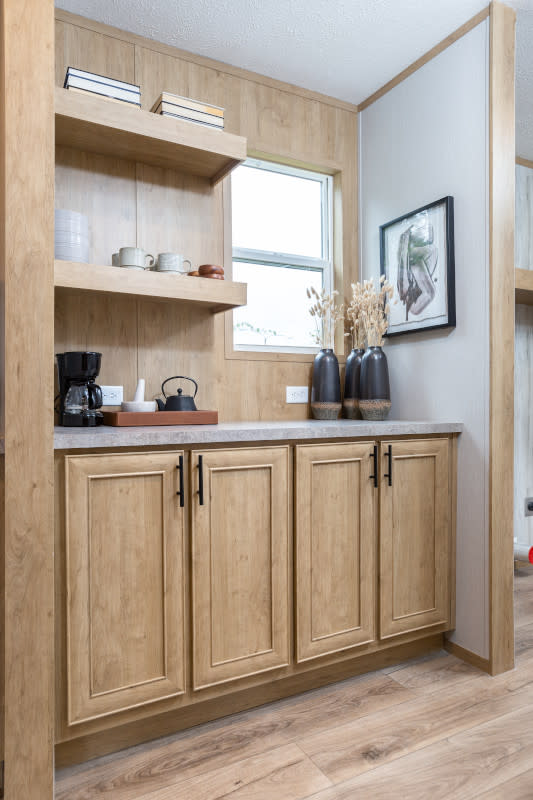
(179, 401)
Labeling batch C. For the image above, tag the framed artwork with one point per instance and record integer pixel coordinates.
(417, 257)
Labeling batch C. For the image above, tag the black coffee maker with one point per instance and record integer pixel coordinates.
(79, 396)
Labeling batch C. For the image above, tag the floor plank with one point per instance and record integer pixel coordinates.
(459, 768)
(352, 749)
(518, 788)
(285, 772)
(434, 674)
(153, 766)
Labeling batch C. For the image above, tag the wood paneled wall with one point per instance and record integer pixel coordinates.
(161, 209)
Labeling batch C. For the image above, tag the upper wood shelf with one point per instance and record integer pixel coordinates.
(524, 286)
(102, 126)
(211, 294)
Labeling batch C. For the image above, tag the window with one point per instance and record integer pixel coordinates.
(281, 219)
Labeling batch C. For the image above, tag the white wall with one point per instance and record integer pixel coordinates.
(425, 139)
(523, 398)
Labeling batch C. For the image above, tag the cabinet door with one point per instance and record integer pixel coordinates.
(240, 563)
(415, 536)
(335, 548)
(125, 618)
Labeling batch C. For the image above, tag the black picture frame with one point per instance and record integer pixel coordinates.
(448, 234)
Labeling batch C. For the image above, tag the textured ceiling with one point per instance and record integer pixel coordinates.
(344, 48)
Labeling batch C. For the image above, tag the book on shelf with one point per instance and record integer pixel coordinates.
(105, 96)
(188, 103)
(193, 121)
(92, 76)
(129, 93)
(170, 110)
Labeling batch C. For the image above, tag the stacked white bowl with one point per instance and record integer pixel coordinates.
(71, 236)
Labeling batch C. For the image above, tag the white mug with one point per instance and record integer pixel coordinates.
(135, 258)
(172, 262)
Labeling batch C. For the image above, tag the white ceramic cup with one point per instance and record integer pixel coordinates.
(172, 262)
(135, 258)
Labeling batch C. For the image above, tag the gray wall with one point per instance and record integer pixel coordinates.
(425, 139)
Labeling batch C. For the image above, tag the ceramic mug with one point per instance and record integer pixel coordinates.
(135, 258)
(172, 262)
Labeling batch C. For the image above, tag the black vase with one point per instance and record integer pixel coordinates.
(326, 386)
(352, 378)
(374, 401)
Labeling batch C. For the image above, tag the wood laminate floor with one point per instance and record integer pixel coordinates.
(429, 729)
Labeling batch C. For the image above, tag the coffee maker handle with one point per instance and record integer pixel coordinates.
(95, 396)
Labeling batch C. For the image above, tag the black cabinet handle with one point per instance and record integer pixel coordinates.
(181, 492)
(374, 476)
(388, 455)
(200, 491)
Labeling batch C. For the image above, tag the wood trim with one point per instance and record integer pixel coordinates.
(27, 307)
(524, 286)
(524, 162)
(502, 304)
(420, 62)
(220, 66)
(467, 655)
(111, 740)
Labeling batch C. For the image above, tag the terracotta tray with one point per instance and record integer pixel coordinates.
(133, 418)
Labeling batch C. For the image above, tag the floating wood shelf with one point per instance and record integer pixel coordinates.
(524, 286)
(212, 294)
(99, 125)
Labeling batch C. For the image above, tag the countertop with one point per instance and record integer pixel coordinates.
(229, 432)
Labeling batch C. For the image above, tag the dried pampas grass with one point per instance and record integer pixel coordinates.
(325, 314)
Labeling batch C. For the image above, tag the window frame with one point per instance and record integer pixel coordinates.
(325, 264)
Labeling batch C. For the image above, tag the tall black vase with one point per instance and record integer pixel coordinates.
(374, 400)
(352, 379)
(326, 386)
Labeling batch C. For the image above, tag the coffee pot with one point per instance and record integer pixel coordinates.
(179, 401)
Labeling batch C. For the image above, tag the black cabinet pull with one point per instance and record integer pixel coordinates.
(374, 476)
(200, 491)
(181, 492)
(388, 455)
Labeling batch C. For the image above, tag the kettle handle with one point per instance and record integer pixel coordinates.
(183, 377)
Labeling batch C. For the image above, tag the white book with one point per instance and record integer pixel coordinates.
(187, 113)
(104, 89)
(92, 76)
(194, 121)
(187, 102)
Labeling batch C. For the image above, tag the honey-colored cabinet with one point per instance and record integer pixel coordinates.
(335, 550)
(240, 563)
(124, 533)
(415, 536)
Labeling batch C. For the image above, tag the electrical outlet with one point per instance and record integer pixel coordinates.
(112, 395)
(297, 394)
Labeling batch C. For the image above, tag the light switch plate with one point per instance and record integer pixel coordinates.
(112, 395)
(528, 507)
(297, 394)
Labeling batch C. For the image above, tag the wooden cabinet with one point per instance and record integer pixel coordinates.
(335, 548)
(124, 583)
(415, 536)
(240, 563)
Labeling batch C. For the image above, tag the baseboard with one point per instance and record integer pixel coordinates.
(468, 656)
(117, 738)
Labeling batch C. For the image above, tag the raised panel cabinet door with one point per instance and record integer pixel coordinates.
(240, 563)
(124, 581)
(415, 536)
(335, 548)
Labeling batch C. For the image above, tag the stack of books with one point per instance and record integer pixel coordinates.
(172, 105)
(87, 82)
